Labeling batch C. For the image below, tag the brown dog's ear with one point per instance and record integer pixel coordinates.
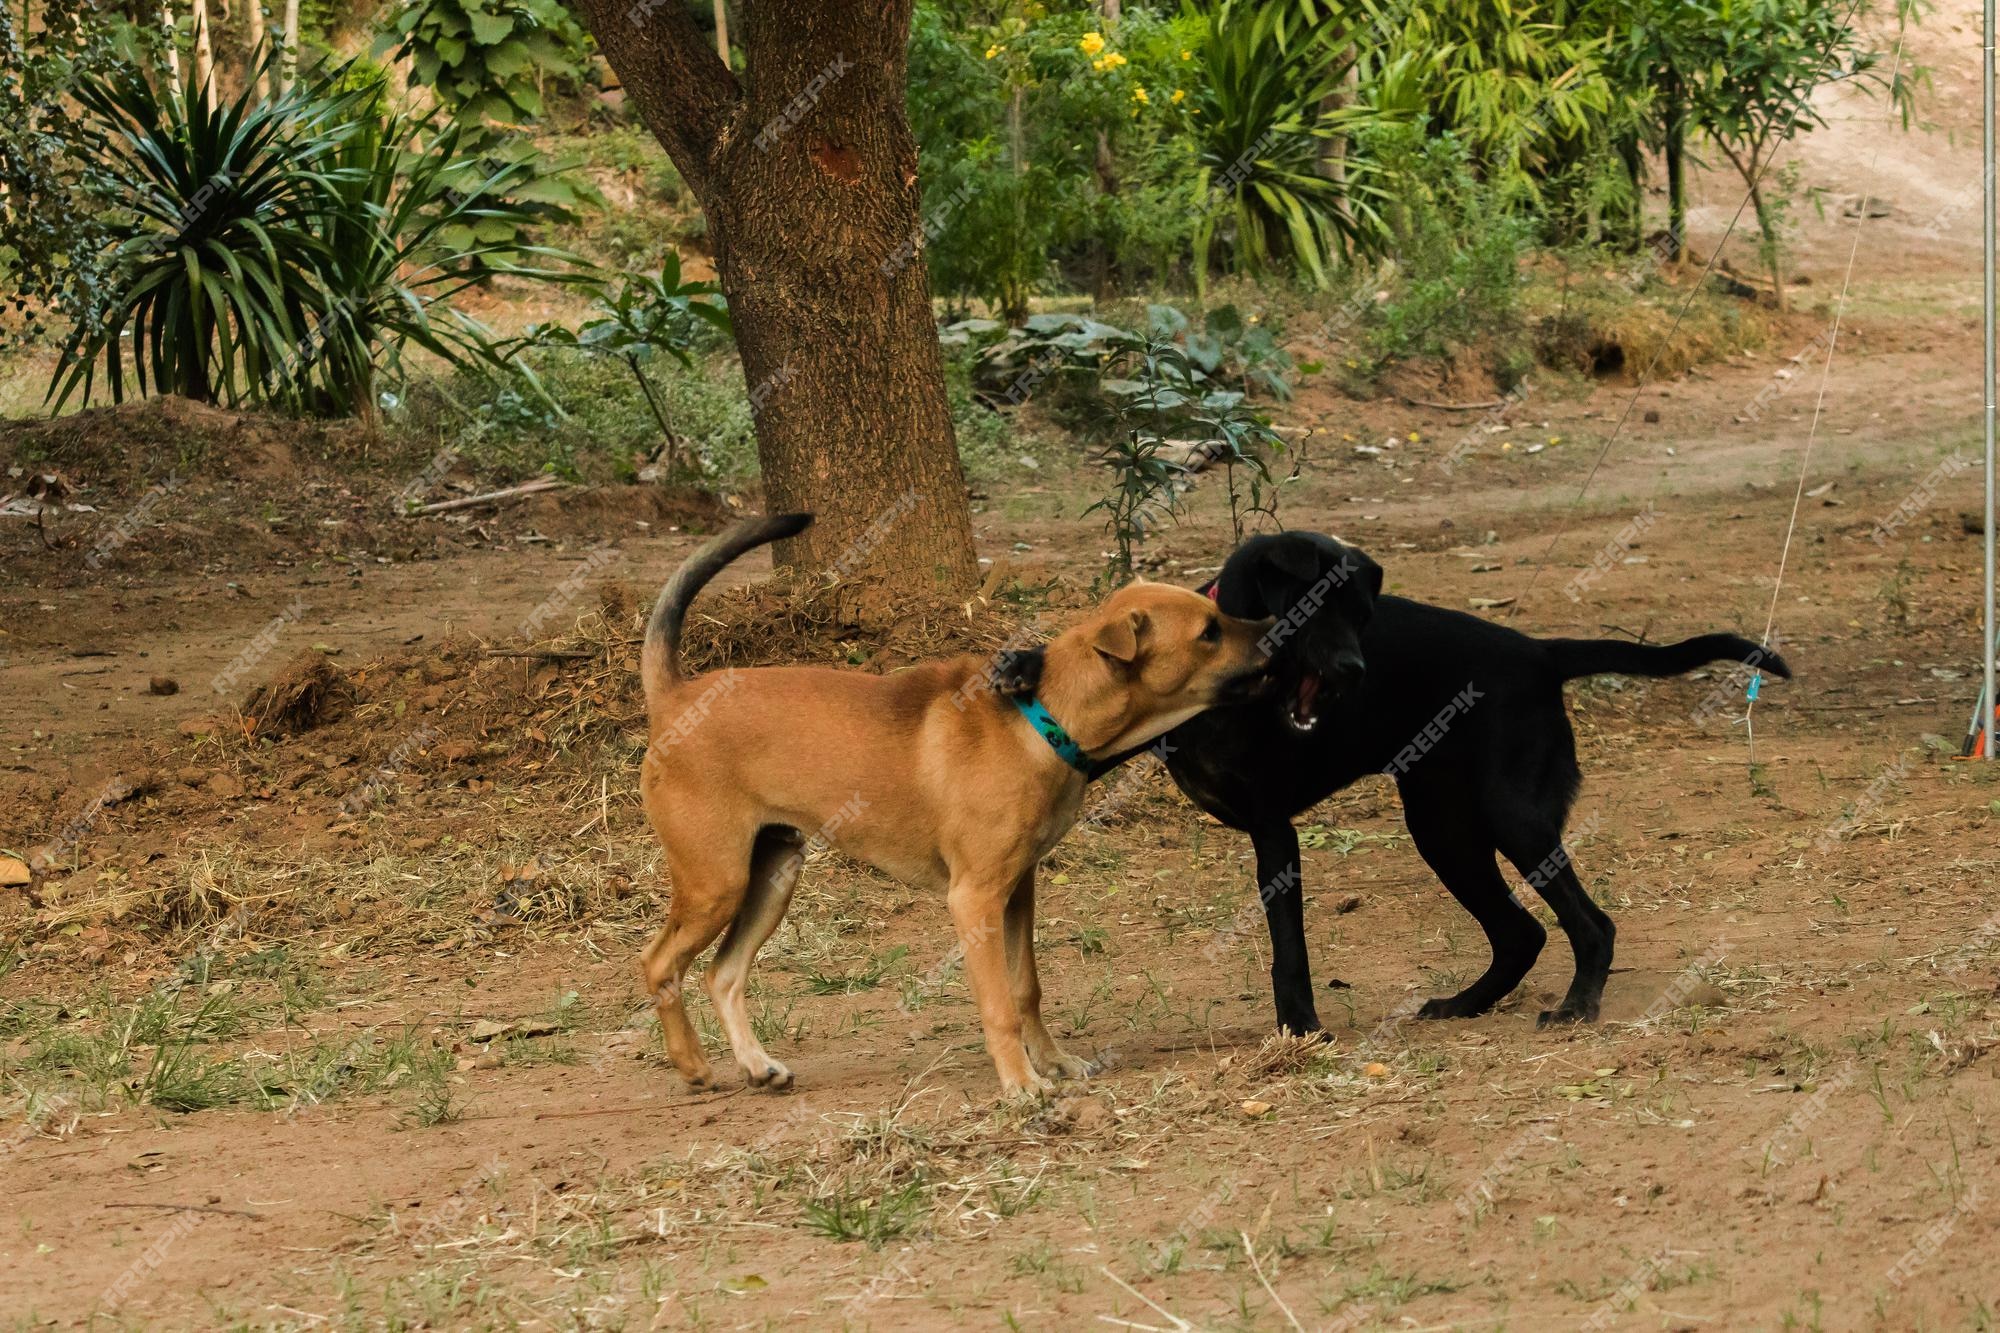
(1119, 639)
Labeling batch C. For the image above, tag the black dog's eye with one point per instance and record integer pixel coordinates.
(1212, 632)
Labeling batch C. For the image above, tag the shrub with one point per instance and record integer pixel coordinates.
(284, 251)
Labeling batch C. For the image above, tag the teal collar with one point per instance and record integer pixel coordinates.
(1052, 732)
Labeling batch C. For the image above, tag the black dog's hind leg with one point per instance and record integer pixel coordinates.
(1463, 859)
(1546, 863)
(1283, 896)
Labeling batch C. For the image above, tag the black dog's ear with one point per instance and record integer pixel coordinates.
(1371, 575)
(1017, 672)
(1288, 568)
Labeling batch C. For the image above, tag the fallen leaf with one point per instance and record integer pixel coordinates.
(14, 871)
(1254, 1108)
(1375, 1069)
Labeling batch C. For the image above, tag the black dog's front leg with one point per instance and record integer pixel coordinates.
(1283, 896)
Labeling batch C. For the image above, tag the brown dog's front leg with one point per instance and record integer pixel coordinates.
(1048, 1058)
(978, 914)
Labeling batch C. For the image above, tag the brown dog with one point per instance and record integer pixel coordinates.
(925, 774)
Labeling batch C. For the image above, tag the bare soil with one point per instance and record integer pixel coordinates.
(333, 1020)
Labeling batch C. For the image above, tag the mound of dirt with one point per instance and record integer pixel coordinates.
(321, 759)
(133, 445)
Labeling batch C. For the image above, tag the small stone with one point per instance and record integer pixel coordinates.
(1254, 1108)
(1652, 416)
(163, 685)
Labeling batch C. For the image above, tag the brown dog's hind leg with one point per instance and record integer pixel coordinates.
(1048, 1058)
(706, 896)
(774, 870)
(978, 913)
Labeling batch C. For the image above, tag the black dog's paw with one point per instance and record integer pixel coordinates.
(1017, 672)
(1451, 1006)
(1566, 1015)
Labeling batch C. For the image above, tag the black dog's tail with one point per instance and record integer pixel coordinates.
(660, 658)
(1597, 657)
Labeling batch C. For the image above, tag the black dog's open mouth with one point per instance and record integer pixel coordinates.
(1302, 709)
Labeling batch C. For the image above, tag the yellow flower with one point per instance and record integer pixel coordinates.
(1110, 60)
(1139, 94)
(1187, 55)
(1092, 43)
(1180, 94)
(994, 50)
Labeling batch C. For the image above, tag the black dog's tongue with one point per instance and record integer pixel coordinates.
(1303, 717)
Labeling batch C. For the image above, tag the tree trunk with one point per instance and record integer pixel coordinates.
(807, 174)
(204, 53)
(288, 63)
(722, 30)
(173, 40)
(253, 17)
(1676, 151)
(1773, 256)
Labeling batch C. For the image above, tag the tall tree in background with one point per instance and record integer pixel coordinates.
(807, 173)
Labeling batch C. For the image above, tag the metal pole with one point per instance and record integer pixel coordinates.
(1988, 642)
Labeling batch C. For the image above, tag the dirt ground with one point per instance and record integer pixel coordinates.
(329, 1017)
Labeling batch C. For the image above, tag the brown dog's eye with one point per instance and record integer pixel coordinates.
(1212, 632)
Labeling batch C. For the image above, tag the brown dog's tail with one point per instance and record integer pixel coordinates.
(660, 658)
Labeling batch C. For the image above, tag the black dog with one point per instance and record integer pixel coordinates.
(1467, 716)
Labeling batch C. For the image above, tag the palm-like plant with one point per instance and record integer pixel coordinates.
(1263, 118)
(214, 245)
(283, 251)
(409, 224)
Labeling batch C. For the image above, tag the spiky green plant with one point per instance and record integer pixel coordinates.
(215, 254)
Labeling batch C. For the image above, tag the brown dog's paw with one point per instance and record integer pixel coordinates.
(1062, 1065)
(773, 1075)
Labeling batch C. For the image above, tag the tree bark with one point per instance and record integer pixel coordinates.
(1676, 153)
(288, 62)
(204, 53)
(806, 171)
(253, 18)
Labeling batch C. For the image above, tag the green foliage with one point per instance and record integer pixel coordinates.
(1749, 69)
(1163, 400)
(1048, 147)
(1458, 242)
(644, 318)
(1266, 121)
(214, 267)
(487, 60)
(284, 251)
(1520, 85)
(51, 230)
